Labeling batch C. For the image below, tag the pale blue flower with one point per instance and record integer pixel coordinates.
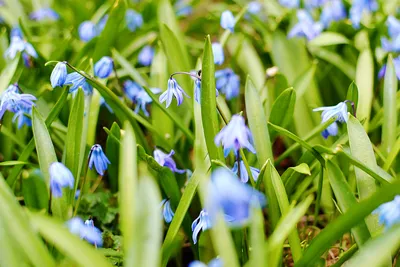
(15, 102)
(306, 26)
(392, 45)
(98, 159)
(227, 20)
(44, 14)
(166, 160)
(77, 80)
(396, 64)
(87, 31)
(217, 262)
(133, 19)
(22, 118)
(254, 7)
(290, 3)
(85, 230)
(333, 10)
(235, 135)
(201, 223)
(60, 177)
(226, 193)
(167, 212)
(244, 176)
(389, 213)
(183, 8)
(142, 99)
(146, 55)
(173, 90)
(339, 112)
(228, 83)
(102, 23)
(58, 75)
(310, 4)
(18, 44)
(359, 7)
(104, 67)
(197, 89)
(218, 53)
(132, 89)
(331, 130)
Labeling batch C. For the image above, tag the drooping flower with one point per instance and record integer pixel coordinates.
(77, 80)
(389, 213)
(339, 112)
(218, 53)
(18, 44)
(104, 67)
(60, 177)
(396, 64)
(306, 26)
(244, 176)
(15, 102)
(333, 10)
(146, 55)
(85, 230)
(392, 45)
(201, 223)
(227, 194)
(98, 159)
(254, 7)
(58, 75)
(166, 160)
(142, 99)
(227, 20)
(132, 89)
(22, 118)
(44, 14)
(87, 31)
(217, 262)
(167, 212)
(235, 135)
(290, 3)
(173, 90)
(134, 20)
(228, 83)
(359, 7)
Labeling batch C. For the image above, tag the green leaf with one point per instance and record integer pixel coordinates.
(8, 73)
(70, 245)
(257, 237)
(209, 102)
(128, 189)
(302, 168)
(389, 130)
(346, 199)
(329, 38)
(352, 94)
(283, 108)
(392, 155)
(365, 80)
(112, 149)
(126, 65)
(34, 190)
(13, 162)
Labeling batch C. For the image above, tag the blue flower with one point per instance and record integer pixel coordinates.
(22, 118)
(227, 20)
(173, 90)
(143, 98)
(58, 75)
(290, 3)
(333, 10)
(217, 262)
(166, 160)
(146, 55)
(102, 23)
(235, 135)
(392, 45)
(77, 194)
(77, 80)
(339, 112)
(254, 7)
(183, 8)
(15, 102)
(310, 4)
(228, 83)
(43, 14)
(60, 177)
(306, 27)
(132, 89)
(104, 67)
(167, 212)
(18, 44)
(85, 230)
(218, 53)
(358, 8)
(87, 31)
(201, 223)
(244, 176)
(389, 213)
(98, 159)
(197, 89)
(133, 19)
(235, 199)
(396, 64)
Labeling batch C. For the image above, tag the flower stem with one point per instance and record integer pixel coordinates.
(82, 187)
(186, 73)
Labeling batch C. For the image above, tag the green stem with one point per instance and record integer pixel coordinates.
(81, 192)
(319, 195)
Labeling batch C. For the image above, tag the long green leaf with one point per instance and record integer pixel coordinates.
(365, 81)
(34, 190)
(8, 73)
(112, 148)
(257, 238)
(283, 108)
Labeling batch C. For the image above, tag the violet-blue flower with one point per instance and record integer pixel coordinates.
(60, 177)
(235, 135)
(201, 223)
(146, 55)
(98, 159)
(183, 8)
(218, 53)
(44, 14)
(85, 230)
(227, 20)
(58, 75)
(132, 89)
(166, 160)
(244, 176)
(173, 90)
(104, 67)
(254, 7)
(339, 112)
(76, 80)
(396, 64)
(290, 3)
(359, 7)
(227, 194)
(306, 26)
(167, 212)
(102, 23)
(134, 20)
(333, 10)
(392, 45)
(22, 118)
(197, 89)
(389, 213)
(310, 4)
(216, 262)
(142, 99)
(228, 83)
(87, 31)
(15, 102)
(18, 44)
